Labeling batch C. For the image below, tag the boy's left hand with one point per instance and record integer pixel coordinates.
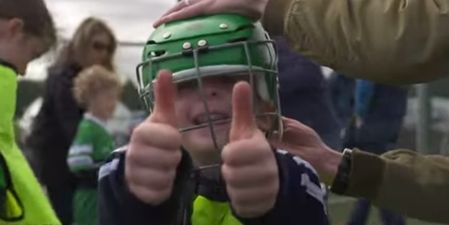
(249, 164)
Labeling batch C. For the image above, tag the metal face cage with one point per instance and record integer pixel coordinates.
(259, 78)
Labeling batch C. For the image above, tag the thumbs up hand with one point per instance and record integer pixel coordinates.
(249, 165)
(155, 148)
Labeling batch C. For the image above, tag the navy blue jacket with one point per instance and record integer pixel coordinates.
(382, 109)
(304, 94)
(379, 102)
(300, 198)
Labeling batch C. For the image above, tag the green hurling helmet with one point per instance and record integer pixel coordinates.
(216, 45)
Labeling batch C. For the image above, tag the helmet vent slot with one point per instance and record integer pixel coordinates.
(237, 40)
(156, 53)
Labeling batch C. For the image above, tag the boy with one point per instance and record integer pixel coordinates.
(24, 35)
(202, 156)
(98, 90)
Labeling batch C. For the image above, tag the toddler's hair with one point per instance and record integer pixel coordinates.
(92, 81)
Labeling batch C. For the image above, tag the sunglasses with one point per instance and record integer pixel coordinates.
(99, 46)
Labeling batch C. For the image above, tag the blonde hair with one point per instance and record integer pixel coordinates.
(74, 52)
(94, 80)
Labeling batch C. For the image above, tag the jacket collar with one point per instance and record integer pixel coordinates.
(9, 65)
(96, 120)
(211, 188)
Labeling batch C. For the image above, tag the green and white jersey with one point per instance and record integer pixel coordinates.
(93, 143)
(91, 146)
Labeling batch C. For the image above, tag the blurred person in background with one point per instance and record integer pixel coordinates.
(56, 123)
(24, 36)
(379, 111)
(98, 90)
(341, 91)
(304, 94)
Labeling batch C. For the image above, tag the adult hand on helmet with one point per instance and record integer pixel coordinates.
(303, 141)
(154, 151)
(253, 9)
(249, 165)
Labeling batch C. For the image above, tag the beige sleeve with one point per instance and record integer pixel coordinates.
(390, 41)
(403, 181)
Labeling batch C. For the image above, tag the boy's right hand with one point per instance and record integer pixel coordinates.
(154, 152)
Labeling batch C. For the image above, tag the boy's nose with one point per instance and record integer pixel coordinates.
(210, 91)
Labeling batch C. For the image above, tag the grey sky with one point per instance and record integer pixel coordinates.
(131, 21)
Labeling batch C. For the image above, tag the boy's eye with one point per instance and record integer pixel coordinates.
(187, 85)
(233, 79)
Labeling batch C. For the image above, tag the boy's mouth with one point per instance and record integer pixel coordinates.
(203, 118)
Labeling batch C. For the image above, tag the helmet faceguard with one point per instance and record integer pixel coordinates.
(217, 45)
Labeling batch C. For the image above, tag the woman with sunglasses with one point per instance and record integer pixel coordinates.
(56, 124)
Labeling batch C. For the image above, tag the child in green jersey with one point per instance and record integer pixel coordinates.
(98, 90)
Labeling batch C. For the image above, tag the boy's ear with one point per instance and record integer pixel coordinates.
(266, 123)
(14, 27)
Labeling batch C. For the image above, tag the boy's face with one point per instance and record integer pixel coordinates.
(103, 104)
(190, 111)
(19, 48)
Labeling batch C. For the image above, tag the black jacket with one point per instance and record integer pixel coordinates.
(304, 94)
(300, 198)
(55, 126)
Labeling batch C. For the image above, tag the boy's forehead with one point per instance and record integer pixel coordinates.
(181, 78)
(211, 71)
(211, 77)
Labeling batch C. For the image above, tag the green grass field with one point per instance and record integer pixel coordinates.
(340, 209)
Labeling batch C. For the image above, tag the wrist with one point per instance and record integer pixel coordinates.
(342, 178)
(329, 165)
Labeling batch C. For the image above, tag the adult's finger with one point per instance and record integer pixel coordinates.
(183, 11)
(177, 7)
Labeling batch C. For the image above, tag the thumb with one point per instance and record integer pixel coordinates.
(243, 124)
(165, 94)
